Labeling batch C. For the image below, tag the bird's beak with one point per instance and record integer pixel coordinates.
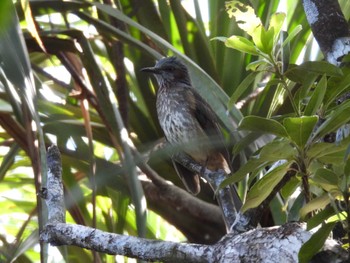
(153, 70)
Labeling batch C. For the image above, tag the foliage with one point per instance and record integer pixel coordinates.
(76, 57)
(313, 90)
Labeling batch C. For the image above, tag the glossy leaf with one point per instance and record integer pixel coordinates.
(320, 217)
(264, 186)
(278, 150)
(297, 73)
(317, 203)
(241, 44)
(336, 119)
(276, 22)
(321, 149)
(300, 129)
(326, 178)
(315, 243)
(263, 125)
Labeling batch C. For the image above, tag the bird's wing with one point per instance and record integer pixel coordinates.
(207, 119)
(189, 178)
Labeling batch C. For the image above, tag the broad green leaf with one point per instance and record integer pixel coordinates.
(320, 217)
(317, 97)
(336, 158)
(320, 149)
(306, 78)
(326, 178)
(299, 129)
(267, 39)
(293, 213)
(317, 203)
(264, 186)
(263, 125)
(334, 91)
(241, 44)
(290, 187)
(334, 120)
(259, 35)
(276, 22)
(277, 150)
(315, 243)
(297, 73)
(253, 164)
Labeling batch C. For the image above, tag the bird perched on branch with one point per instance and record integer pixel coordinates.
(188, 121)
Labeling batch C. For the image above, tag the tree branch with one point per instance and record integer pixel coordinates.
(329, 27)
(276, 244)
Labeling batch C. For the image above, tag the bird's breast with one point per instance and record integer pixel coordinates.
(180, 125)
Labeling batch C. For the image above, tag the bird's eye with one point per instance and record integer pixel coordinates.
(170, 68)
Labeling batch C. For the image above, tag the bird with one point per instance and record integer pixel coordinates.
(188, 121)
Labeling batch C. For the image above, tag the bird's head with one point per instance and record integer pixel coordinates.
(169, 70)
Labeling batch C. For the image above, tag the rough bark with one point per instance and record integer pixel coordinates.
(329, 27)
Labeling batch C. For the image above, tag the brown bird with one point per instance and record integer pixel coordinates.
(188, 121)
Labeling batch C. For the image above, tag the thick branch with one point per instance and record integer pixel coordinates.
(277, 244)
(141, 248)
(329, 27)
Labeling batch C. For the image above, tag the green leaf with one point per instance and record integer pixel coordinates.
(241, 44)
(269, 154)
(315, 243)
(299, 129)
(259, 35)
(292, 34)
(320, 217)
(326, 178)
(263, 125)
(334, 91)
(317, 97)
(276, 22)
(297, 74)
(277, 150)
(334, 120)
(290, 187)
(321, 149)
(267, 38)
(253, 164)
(264, 186)
(317, 203)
